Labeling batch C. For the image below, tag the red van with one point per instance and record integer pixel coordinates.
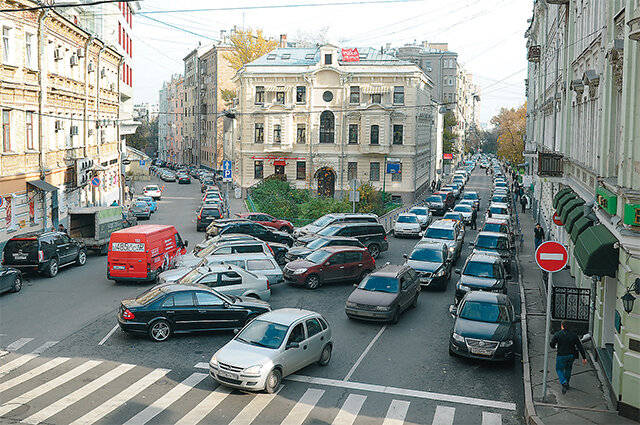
(140, 253)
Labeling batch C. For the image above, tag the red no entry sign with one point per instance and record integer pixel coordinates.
(556, 219)
(551, 256)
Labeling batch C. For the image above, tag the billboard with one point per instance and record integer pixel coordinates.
(350, 55)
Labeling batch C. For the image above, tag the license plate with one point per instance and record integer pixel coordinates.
(228, 375)
(481, 351)
(19, 256)
(118, 267)
(367, 314)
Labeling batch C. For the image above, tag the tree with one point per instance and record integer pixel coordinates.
(311, 38)
(248, 47)
(228, 96)
(511, 126)
(448, 135)
(145, 138)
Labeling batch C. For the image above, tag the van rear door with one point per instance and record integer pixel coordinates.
(127, 256)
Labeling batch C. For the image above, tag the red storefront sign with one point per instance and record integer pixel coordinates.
(350, 55)
(447, 156)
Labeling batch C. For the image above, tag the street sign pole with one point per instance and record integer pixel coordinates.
(547, 331)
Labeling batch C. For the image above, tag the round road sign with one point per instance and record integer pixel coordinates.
(556, 219)
(551, 256)
(95, 181)
(1, 201)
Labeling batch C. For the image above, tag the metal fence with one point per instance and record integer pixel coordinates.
(570, 303)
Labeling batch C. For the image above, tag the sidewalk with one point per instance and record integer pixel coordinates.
(585, 402)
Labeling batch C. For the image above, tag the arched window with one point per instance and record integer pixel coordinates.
(327, 127)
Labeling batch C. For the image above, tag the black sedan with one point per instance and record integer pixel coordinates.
(165, 310)
(484, 327)
(184, 179)
(10, 279)
(430, 260)
(436, 205)
(259, 231)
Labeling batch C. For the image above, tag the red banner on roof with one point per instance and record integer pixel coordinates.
(350, 55)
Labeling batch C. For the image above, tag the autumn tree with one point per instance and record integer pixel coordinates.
(511, 127)
(248, 47)
(448, 134)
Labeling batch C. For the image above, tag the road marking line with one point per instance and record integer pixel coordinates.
(489, 418)
(44, 347)
(350, 409)
(108, 335)
(206, 406)
(551, 256)
(202, 365)
(397, 412)
(32, 373)
(25, 398)
(166, 400)
(364, 353)
(3, 353)
(15, 363)
(77, 395)
(121, 398)
(444, 415)
(16, 345)
(254, 408)
(303, 407)
(403, 392)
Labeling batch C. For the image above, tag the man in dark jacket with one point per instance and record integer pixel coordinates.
(474, 218)
(538, 235)
(568, 346)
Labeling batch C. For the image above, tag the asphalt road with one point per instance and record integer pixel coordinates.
(406, 367)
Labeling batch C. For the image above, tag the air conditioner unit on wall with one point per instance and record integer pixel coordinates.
(74, 130)
(80, 52)
(74, 60)
(90, 67)
(57, 53)
(58, 125)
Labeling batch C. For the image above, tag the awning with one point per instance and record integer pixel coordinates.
(564, 200)
(272, 89)
(43, 185)
(559, 195)
(568, 207)
(595, 252)
(279, 163)
(375, 89)
(582, 224)
(573, 216)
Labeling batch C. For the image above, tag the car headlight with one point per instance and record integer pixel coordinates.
(299, 271)
(462, 287)
(351, 304)
(507, 343)
(439, 273)
(456, 337)
(383, 308)
(213, 362)
(162, 280)
(252, 370)
(452, 248)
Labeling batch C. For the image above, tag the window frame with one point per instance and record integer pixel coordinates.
(352, 170)
(28, 49)
(258, 165)
(277, 133)
(377, 133)
(260, 93)
(398, 129)
(6, 130)
(301, 90)
(354, 95)
(28, 126)
(328, 59)
(301, 170)
(301, 136)
(353, 135)
(398, 95)
(7, 45)
(375, 96)
(327, 135)
(280, 98)
(258, 130)
(371, 174)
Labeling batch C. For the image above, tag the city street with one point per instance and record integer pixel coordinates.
(69, 363)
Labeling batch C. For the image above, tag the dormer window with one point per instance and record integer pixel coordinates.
(328, 59)
(286, 56)
(271, 56)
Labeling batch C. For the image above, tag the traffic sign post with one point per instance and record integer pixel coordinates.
(226, 178)
(95, 181)
(551, 257)
(557, 220)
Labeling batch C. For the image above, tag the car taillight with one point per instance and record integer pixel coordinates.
(270, 249)
(128, 315)
(268, 286)
(199, 216)
(385, 237)
(41, 255)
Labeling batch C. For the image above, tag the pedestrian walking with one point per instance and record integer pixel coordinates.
(439, 184)
(568, 345)
(433, 185)
(523, 202)
(474, 217)
(538, 235)
(520, 191)
(61, 228)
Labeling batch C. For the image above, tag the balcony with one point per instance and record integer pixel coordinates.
(534, 53)
(550, 164)
(278, 147)
(368, 148)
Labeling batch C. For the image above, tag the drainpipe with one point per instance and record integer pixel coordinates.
(42, 79)
(98, 77)
(344, 130)
(85, 133)
(310, 132)
(119, 148)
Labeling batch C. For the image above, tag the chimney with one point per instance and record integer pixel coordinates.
(283, 40)
(388, 46)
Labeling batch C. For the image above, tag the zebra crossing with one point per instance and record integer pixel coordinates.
(28, 345)
(63, 390)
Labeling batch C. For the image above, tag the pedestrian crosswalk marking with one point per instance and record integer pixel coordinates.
(15, 363)
(396, 413)
(3, 353)
(303, 407)
(44, 347)
(32, 373)
(254, 408)
(350, 409)
(16, 402)
(444, 415)
(77, 395)
(16, 345)
(121, 398)
(205, 407)
(489, 418)
(166, 400)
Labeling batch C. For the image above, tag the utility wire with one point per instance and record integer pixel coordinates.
(63, 5)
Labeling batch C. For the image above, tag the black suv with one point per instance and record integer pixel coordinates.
(261, 232)
(206, 215)
(371, 235)
(481, 272)
(44, 253)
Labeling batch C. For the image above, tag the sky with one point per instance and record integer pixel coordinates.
(488, 35)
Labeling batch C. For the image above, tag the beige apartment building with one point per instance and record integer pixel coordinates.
(324, 117)
(59, 106)
(170, 120)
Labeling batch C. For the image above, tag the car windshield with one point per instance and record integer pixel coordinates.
(318, 257)
(407, 219)
(211, 212)
(439, 233)
(322, 221)
(462, 208)
(379, 284)
(144, 198)
(329, 230)
(452, 216)
(493, 242)
(494, 227)
(152, 188)
(499, 210)
(470, 196)
(485, 312)
(191, 277)
(263, 334)
(419, 211)
(141, 204)
(426, 254)
(434, 199)
(482, 269)
(317, 243)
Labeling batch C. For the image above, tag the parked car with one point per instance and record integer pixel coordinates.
(216, 226)
(261, 232)
(423, 214)
(499, 211)
(431, 261)
(499, 243)
(500, 198)
(167, 309)
(320, 242)
(481, 272)
(257, 263)
(436, 205)
(10, 279)
(466, 211)
(153, 205)
(384, 294)
(484, 327)
(184, 179)
(140, 209)
(407, 225)
(152, 190)
(473, 196)
(272, 346)
(43, 253)
(447, 198)
(448, 231)
(330, 264)
(334, 218)
(371, 235)
(206, 214)
(168, 176)
(207, 182)
(225, 278)
(269, 221)
(225, 247)
(499, 225)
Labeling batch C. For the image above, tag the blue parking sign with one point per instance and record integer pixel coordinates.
(142, 162)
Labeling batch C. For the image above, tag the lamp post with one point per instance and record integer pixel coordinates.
(628, 299)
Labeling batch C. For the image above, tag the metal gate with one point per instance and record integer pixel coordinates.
(570, 303)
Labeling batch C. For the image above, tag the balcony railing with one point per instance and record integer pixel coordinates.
(550, 164)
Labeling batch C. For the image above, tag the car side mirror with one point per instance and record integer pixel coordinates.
(185, 243)
(458, 271)
(471, 244)
(453, 311)
(293, 345)
(226, 305)
(236, 331)
(327, 264)
(405, 256)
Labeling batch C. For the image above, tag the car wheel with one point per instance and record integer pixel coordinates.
(286, 242)
(313, 282)
(17, 284)
(363, 275)
(280, 258)
(374, 250)
(82, 258)
(396, 316)
(325, 356)
(273, 381)
(160, 331)
(52, 267)
(104, 250)
(286, 229)
(414, 304)
(451, 353)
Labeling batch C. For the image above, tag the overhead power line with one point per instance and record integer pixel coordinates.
(63, 5)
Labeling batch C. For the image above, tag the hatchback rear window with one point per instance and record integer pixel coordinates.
(14, 245)
(211, 212)
(495, 227)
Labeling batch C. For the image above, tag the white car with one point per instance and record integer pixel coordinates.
(152, 190)
(424, 216)
(465, 210)
(407, 225)
(497, 210)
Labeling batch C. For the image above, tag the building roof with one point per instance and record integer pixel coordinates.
(296, 56)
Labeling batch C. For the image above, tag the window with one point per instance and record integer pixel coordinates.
(6, 45)
(313, 327)
(327, 121)
(376, 98)
(207, 299)
(301, 94)
(352, 171)
(259, 133)
(375, 135)
(354, 96)
(297, 334)
(353, 256)
(327, 96)
(301, 134)
(277, 133)
(6, 130)
(28, 50)
(29, 129)
(397, 134)
(327, 59)
(337, 258)
(353, 133)
(259, 94)
(301, 170)
(280, 97)
(183, 299)
(374, 171)
(427, 64)
(397, 177)
(258, 169)
(398, 95)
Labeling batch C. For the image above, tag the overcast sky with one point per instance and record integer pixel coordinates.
(488, 35)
